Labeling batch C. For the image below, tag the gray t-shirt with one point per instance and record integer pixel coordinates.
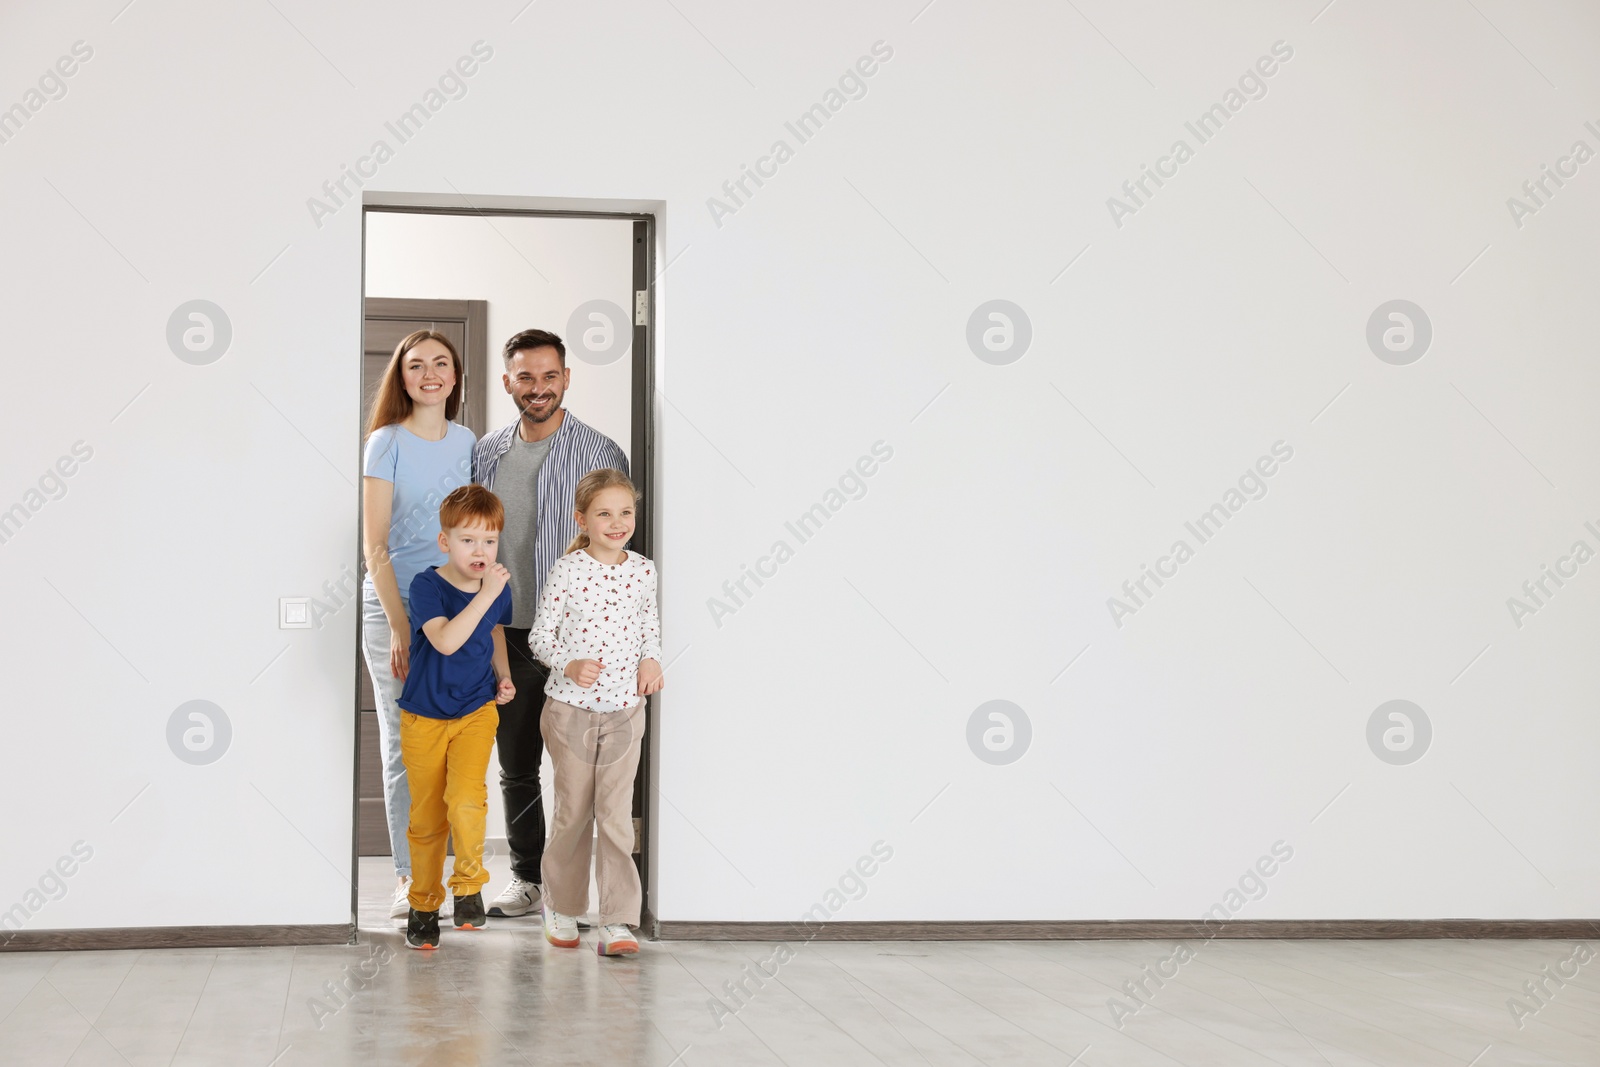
(516, 482)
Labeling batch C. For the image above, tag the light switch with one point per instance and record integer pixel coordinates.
(294, 613)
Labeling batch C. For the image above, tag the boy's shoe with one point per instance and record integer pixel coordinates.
(469, 912)
(559, 929)
(518, 898)
(402, 903)
(422, 929)
(617, 940)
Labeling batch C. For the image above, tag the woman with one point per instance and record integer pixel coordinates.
(415, 455)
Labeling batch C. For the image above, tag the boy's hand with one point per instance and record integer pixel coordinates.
(495, 578)
(650, 679)
(506, 692)
(584, 671)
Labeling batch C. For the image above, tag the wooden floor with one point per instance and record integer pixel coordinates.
(504, 996)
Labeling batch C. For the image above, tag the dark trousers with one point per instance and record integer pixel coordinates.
(521, 750)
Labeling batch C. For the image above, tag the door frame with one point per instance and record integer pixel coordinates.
(646, 232)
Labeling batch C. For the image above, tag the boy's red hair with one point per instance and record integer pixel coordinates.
(472, 505)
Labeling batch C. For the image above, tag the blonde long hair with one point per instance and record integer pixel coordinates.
(392, 403)
(589, 487)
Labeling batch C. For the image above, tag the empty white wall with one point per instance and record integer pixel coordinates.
(828, 312)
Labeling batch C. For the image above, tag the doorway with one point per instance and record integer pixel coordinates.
(479, 277)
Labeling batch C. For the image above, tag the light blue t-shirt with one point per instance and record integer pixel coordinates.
(423, 473)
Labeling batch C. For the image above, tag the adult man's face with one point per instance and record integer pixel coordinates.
(537, 381)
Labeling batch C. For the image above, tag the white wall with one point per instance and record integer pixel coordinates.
(827, 313)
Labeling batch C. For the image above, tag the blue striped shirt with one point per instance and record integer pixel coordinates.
(575, 449)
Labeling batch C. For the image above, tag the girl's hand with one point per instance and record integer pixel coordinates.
(506, 692)
(584, 671)
(399, 653)
(650, 679)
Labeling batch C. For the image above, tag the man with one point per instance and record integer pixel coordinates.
(533, 465)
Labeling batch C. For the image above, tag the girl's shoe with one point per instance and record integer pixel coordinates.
(617, 940)
(559, 929)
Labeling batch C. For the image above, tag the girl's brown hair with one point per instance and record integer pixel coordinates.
(393, 404)
(589, 487)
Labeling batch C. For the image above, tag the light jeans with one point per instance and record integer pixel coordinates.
(386, 687)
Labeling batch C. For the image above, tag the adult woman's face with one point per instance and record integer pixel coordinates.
(429, 373)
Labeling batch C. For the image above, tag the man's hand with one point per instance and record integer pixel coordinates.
(584, 671)
(506, 692)
(650, 679)
(495, 578)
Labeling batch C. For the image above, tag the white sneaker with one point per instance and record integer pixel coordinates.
(617, 940)
(559, 929)
(401, 907)
(518, 898)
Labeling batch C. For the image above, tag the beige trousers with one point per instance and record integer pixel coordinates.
(595, 755)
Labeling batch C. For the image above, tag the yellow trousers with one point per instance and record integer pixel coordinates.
(447, 761)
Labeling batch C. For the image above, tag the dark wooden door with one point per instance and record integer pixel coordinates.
(388, 321)
(464, 322)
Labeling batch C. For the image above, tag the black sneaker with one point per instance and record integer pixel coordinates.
(469, 913)
(422, 929)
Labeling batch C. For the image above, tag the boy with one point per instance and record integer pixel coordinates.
(459, 672)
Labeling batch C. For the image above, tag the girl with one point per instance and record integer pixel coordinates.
(415, 455)
(597, 630)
